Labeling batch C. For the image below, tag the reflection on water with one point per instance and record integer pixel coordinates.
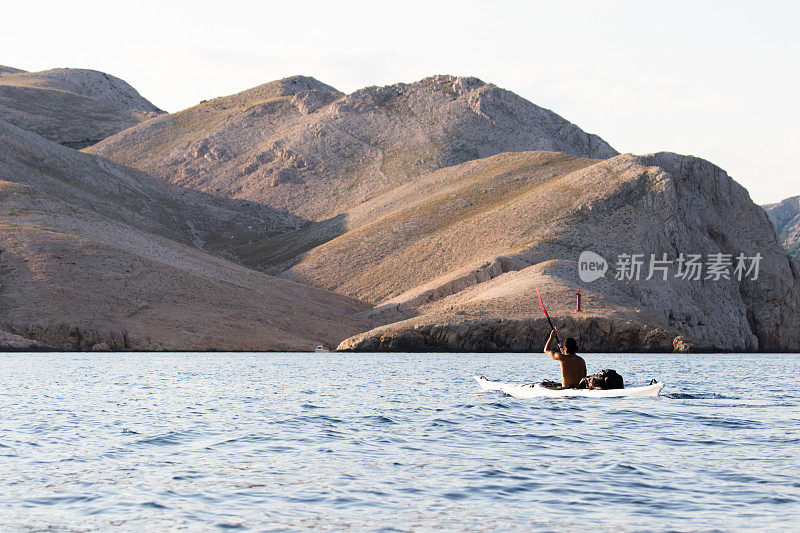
(395, 442)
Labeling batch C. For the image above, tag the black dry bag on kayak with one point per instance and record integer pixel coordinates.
(605, 379)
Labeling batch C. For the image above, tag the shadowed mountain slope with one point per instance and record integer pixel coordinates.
(133, 197)
(785, 216)
(94, 254)
(74, 107)
(300, 146)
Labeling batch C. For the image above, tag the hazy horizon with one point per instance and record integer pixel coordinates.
(718, 83)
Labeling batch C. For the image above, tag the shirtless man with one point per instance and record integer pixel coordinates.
(573, 367)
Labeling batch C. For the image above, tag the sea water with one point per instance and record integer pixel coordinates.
(393, 442)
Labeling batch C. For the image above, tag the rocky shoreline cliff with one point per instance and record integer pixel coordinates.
(661, 204)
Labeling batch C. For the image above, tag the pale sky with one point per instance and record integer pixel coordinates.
(719, 80)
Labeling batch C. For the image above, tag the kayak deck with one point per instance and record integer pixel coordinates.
(535, 390)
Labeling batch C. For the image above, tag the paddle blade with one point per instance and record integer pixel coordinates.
(542, 304)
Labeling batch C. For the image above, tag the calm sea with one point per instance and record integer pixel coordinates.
(393, 442)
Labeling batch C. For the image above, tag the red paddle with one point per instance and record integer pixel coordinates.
(548, 319)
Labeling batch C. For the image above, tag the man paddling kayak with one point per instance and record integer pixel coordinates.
(573, 367)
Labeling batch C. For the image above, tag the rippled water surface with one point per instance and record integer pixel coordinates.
(393, 442)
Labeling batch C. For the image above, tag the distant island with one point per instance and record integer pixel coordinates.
(412, 217)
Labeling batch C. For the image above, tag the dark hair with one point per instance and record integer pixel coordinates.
(570, 345)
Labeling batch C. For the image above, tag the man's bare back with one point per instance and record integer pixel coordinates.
(573, 367)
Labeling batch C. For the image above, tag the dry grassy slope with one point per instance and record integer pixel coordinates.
(474, 254)
(131, 196)
(73, 278)
(301, 147)
(471, 186)
(785, 216)
(439, 223)
(74, 107)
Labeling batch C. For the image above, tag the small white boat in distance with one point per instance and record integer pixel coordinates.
(321, 348)
(535, 390)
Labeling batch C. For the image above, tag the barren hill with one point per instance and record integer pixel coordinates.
(300, 146)
(133, 197)
(94, 254)
(785, 216)
(9, 70)
(459, 254)
(74, 107)
(417, 216)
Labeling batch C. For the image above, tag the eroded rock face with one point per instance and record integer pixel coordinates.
(785, 216)
(714, 214)
(9, 342)
(595, 334)
(307, 102)
(74, 338)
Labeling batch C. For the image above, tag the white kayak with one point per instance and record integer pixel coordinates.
(535, 390)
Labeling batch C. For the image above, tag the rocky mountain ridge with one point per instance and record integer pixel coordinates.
(74, 107)
(9, 70)
(302, 147)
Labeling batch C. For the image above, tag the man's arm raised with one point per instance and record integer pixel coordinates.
(551, 348)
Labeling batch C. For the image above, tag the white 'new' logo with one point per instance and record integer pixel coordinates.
(591, 266)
